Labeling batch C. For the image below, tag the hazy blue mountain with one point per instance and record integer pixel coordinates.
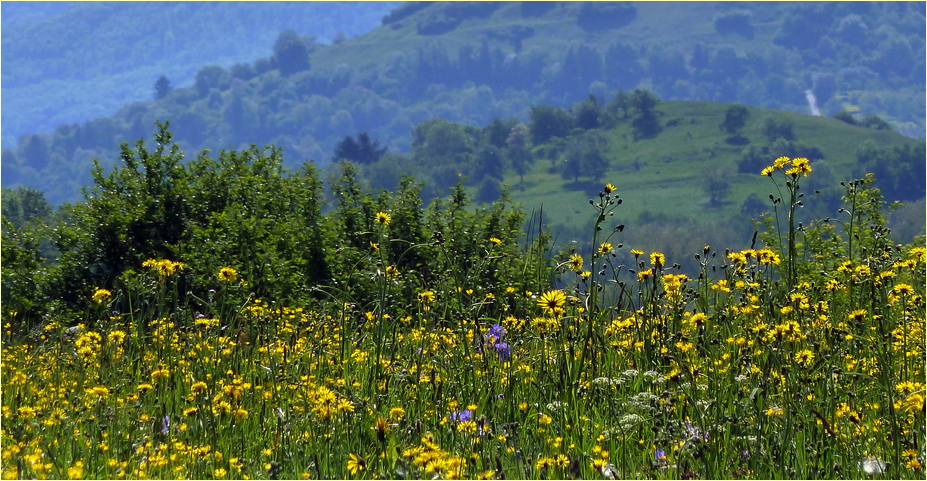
(66, 62)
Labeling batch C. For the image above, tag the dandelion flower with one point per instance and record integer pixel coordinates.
(383, 218)
(800, 166)
(101, 296)
(227, 274)
(605, 248)
(76, 471)
(657, 259)
(780, 162)
(609, 188)
(426, 298)
(356, 463)
(552, 301)
(397, 413)
(575, 263)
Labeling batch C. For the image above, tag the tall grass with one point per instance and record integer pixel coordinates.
(799, 359)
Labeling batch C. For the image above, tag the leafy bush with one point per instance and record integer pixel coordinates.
(846, 117)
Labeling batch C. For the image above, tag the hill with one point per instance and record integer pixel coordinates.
(67, 62)
(471, 62)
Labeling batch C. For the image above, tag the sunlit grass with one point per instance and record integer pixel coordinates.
(633, 371)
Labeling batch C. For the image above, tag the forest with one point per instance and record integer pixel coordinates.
(459, 62)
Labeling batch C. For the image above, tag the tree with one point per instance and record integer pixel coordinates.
(162, 87)
(291, 53)
(644, 124)
(622, 69)
(489, 162)
(583, 156)
(876, 122)
(520, 158)
(361, 151)
(498, 130)
(370, 151)
(489, 190)
(717, 187)
(548, 121)
(735, 119)
(605, 15)
(777, 129)
(209, 77)
(737, 21)
(588, 113)
(23, 205)
(35, 152)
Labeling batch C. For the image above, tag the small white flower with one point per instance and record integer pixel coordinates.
(609, 471)
(873, 466)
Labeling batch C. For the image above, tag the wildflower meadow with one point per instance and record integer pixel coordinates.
(451, 342)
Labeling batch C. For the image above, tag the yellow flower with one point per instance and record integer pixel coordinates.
(76, 471)
(575, 262)
(116, 337)
(919, 254)
(605, 248)
(637, 253)
(164, 267)
(101, 296)
(488, 474)
(227, 274)
(356, 463)
(392, 271)
(657, 259)
(780, 162)
(495, 240)
(383, 218)
(801, 166)
(644, 274)
(609, 188)
(552, 301)
(468, 426)
(397, 413)
(426, 298)
(767, 171)
(805, 357)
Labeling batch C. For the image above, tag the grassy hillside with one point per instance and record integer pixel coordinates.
(473, 62)
(674, 167)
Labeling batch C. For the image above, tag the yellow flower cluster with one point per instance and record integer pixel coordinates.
(797, 166)
(164, 267)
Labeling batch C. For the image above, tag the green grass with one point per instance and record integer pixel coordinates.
(674, 166)
(753, 370)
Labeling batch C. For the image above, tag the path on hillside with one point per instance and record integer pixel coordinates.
(812, 102)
